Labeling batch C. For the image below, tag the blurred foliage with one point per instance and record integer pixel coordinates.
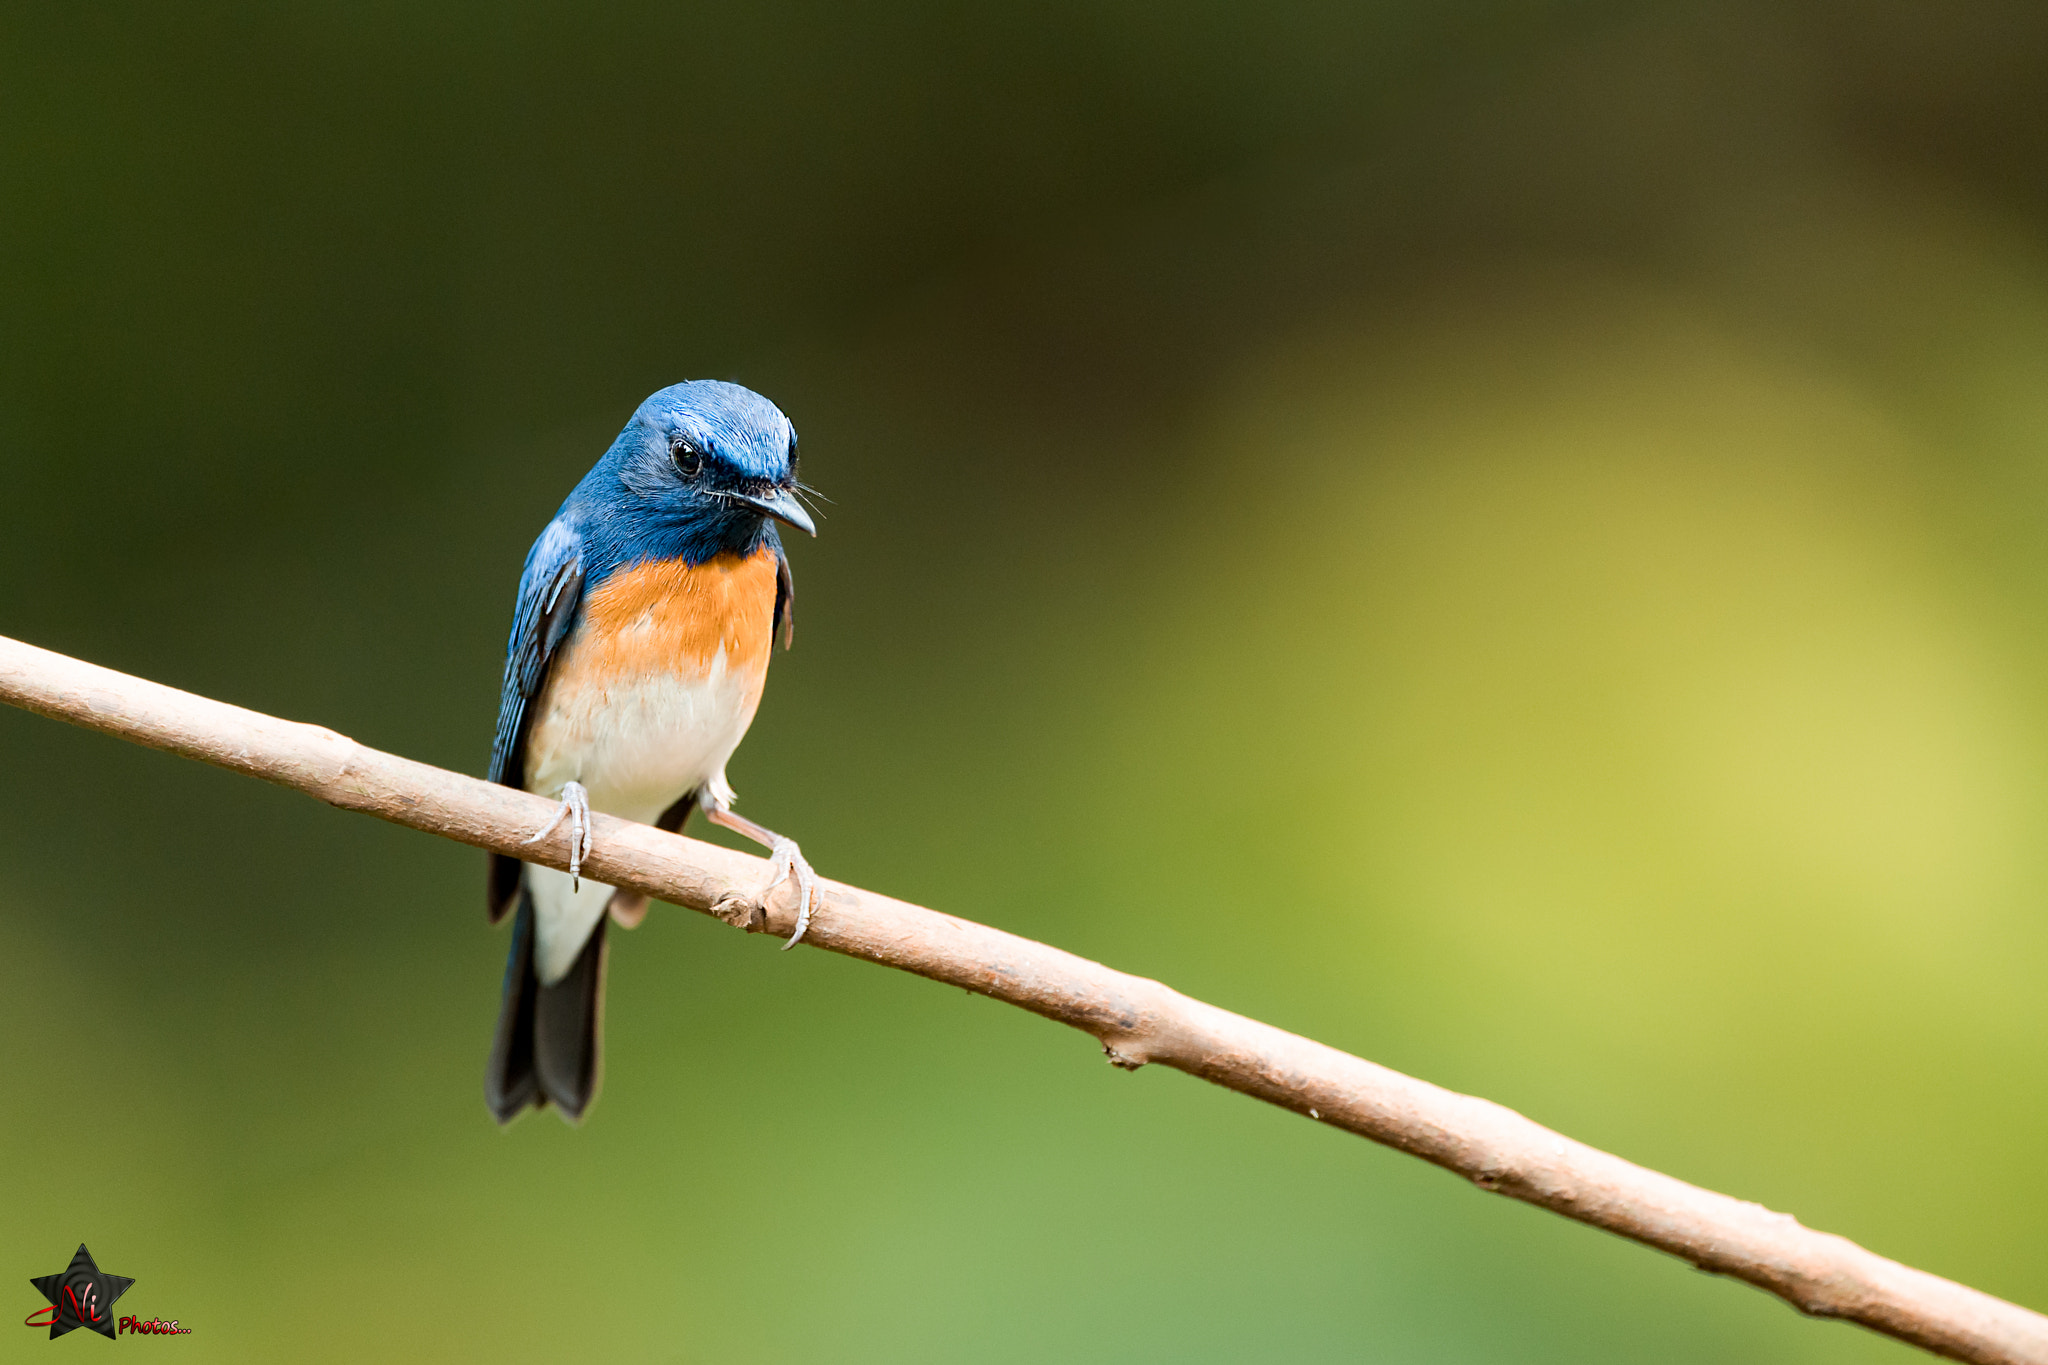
(1506, 536)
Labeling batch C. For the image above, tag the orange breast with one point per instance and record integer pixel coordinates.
(657, 683)
(675, 618)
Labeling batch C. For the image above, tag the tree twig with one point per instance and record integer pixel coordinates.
(1136, 1020)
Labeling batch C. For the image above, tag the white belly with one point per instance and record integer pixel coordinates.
(637, 746)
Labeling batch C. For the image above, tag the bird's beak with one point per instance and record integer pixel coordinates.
(782, 505)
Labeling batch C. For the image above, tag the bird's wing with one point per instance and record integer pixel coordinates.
(550, 590)
(784, 620)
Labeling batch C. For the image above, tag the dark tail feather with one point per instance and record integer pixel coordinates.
(509, 1082)
(566, 1022)
(547, 1043)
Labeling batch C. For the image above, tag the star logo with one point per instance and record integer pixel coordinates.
(80, 1295)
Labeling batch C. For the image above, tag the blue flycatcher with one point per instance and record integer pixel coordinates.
(640, 643)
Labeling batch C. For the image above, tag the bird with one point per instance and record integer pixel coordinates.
(646, 614)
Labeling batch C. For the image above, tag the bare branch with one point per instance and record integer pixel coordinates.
(1136, 1020)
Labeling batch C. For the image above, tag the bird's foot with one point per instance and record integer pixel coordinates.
(576, 806)
(786, 861)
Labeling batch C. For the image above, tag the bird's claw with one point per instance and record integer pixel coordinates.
(575, 805)
(785, 860)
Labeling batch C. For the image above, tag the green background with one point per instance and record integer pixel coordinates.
(1507, 537)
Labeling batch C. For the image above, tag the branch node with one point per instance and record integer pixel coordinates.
(741, 910)
(1123, 1061)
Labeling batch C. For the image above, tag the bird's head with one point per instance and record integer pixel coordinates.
(714, 455)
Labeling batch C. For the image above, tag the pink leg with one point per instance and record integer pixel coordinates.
(784, 861)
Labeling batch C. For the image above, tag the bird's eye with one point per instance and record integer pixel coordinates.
(688, 460)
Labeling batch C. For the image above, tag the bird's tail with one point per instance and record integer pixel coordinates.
(547, 1044)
